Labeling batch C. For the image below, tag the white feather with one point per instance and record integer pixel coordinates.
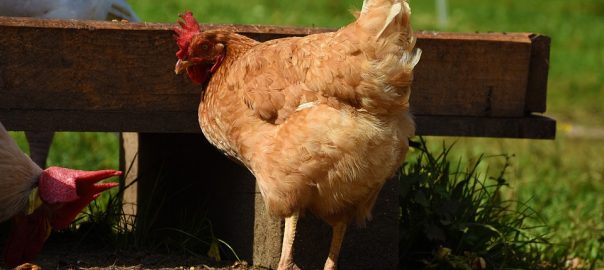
(365, 6)
(407, 8)
(305, 106)
(411, 59)
(395, 10)
(18, 176)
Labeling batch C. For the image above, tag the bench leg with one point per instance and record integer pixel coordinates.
(195, 177)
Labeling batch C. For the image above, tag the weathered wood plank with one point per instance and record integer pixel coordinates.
(529, 127)
(88, 75)
(538, 127)
(118, 121)
(536, 92)
(471, 74)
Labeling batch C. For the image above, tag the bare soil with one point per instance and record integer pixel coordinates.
(72, 253)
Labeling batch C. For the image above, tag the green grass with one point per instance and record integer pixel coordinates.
(563, 180)
(80, 150)
(454, 217)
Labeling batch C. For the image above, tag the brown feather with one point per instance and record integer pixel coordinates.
(323, 120)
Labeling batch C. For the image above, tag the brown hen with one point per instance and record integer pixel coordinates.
(321, 121)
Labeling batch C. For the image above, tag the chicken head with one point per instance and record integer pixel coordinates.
(66, 191)
(62, 193)
(200, 56)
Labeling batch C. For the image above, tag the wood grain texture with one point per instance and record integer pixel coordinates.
(112, 76)
(536, 91)
(471, 74)
(527, 127)
(531, 126)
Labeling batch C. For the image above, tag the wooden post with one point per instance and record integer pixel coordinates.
(129, 164)
(178, 174)
(181, 175)
(374, 246)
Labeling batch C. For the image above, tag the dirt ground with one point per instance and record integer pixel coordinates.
(73, 254)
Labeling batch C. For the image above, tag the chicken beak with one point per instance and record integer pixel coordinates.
(181, 66)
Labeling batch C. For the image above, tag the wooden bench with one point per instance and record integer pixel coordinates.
(118, 77)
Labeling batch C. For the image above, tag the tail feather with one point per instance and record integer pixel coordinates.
(410, 59)
(395, 11)
(365, 6)
(383, 18)
(386, 36)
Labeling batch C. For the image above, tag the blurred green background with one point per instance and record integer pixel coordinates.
(562, 179)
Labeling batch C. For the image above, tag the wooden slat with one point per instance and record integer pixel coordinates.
(528, 127)
(536, 91)
(119, 76)
(77, 120)
(471, 74)
(537, 127)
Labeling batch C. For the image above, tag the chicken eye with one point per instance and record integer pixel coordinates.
(204, 46)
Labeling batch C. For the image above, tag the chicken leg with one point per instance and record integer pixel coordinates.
(338, 231)
(287, 247)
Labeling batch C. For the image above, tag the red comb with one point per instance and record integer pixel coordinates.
(68, 191)
(188, 28)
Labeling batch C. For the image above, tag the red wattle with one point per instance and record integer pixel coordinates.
(199, 73)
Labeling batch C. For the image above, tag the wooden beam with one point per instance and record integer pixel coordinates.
(533, 126)
(109, 76)
(536, 92)
(529, 127)
(471, 74)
